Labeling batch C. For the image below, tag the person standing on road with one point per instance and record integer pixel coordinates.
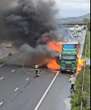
(72, 81)
(37, 72)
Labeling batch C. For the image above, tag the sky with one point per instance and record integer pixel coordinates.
(73, 8)
(67, 8)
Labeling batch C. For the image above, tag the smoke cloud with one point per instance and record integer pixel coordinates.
(32, 22)
(30, 19)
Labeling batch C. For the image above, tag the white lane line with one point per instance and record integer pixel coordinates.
(46, 92)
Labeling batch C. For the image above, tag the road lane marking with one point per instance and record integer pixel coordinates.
(1, 103)
(46, 92)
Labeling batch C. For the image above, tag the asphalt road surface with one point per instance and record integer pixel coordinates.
(82, 40)
(19, 90)
(58, 97)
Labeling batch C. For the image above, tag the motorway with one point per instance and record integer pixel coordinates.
(58, 97)
(19, 90)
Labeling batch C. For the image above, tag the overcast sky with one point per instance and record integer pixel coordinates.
(67, 8)
(73, 8)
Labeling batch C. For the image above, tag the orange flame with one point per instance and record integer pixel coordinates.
(57, 47)
(53, 65)
(80, 65)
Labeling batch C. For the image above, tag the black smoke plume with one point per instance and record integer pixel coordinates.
(30, 19)
(31, 22)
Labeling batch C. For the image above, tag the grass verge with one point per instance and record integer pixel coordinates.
(87, 45)
(85, 96)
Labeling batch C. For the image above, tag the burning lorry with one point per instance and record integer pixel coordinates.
(69, 58)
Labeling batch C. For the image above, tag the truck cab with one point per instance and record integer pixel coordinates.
(68, 63)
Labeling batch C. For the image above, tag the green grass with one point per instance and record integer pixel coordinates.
(85, 96)
(87, 46)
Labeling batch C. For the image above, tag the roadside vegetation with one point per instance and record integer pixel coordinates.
(87, 45)
(82, 96)
(87, 40)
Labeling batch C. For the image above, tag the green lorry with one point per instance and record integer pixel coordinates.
(68, 57)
